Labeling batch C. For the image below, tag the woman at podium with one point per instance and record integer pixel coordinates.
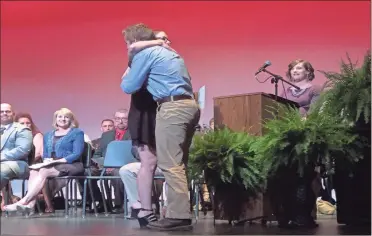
(299, 199)
(301, 74)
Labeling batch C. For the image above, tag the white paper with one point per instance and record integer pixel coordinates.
(201, 97)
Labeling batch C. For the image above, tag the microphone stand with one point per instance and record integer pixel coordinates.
(275, 81)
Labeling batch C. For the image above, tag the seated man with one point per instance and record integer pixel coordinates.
(119, 133)
(128, 175)
(16, 143)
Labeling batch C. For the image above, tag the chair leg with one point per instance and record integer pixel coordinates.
(196, 195)
(84, 200)
(71, 198)
(66, 199)
(6, 197)
(75, 197)
(162, 202)
(23, 188)
(192, 190)
(103, 197)
(61, 194)
(108, 190)
(38, 206)
(125, 205)
(92, 197)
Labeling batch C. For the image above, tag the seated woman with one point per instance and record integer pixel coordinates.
(63, 148)
(26, 119)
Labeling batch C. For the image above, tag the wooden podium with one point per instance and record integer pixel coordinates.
(247, 112)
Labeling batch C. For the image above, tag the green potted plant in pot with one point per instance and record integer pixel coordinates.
(291, 148)
(230, 168)
(349, 98)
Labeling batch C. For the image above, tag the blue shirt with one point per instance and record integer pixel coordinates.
(70, 146)
(162, 71)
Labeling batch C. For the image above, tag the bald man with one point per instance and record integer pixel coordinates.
(16, 144)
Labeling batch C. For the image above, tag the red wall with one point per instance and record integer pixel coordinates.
(72, 54)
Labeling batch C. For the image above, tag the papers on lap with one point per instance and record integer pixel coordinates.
(46, 163)
(41, 165)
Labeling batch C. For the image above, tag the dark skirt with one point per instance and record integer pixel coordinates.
(74, 169)
(141, 118)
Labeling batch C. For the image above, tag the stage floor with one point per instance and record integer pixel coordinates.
(57, 225)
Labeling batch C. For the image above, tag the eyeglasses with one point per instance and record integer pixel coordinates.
(121, 118)
(165, 39)
(7, 111)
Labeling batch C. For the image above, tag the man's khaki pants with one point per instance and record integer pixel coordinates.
(175, 127)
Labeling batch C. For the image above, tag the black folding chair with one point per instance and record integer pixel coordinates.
(118, 154)
(86, 159)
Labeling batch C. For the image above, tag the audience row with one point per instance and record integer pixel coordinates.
(26, 153)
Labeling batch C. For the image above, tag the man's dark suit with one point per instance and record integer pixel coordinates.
(106, 138)
(99, 153)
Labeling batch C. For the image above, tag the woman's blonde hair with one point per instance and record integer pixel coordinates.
(67, 112)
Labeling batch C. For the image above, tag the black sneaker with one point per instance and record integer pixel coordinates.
(168, 224)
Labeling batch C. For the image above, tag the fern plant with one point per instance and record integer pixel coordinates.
(294, 141)
(227, 157)
(350, 93)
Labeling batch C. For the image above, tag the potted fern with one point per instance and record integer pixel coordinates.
(350, 99)
(350, 92)
(230, 168)
(291, 148)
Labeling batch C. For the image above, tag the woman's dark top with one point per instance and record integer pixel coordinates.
(142, 117)
(304, 97)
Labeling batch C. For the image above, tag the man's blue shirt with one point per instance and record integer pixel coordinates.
(162, 71)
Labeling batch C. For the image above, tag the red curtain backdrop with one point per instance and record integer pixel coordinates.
(72, 54)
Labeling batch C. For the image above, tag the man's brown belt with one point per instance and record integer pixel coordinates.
(174, 98)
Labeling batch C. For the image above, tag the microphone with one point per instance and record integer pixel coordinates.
(267, 63)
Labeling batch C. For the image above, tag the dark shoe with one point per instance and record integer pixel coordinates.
(134, 213)
(207, 206)
(100, 209)
(145, 220)
(296, 225)
(168, 224)
(117, 210)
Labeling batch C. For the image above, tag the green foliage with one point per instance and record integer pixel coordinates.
(227, 157)
(292, 140)
(350, 93)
